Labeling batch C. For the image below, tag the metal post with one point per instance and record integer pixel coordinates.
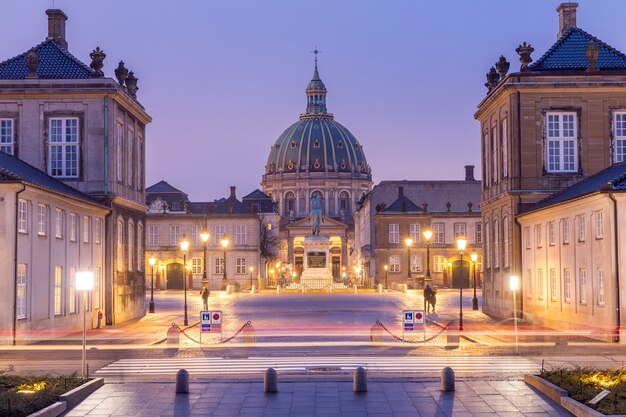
(427, 259)
(224, 279)
(515, 321)
(185, 322)
(409, 250)
(250, 277)
(84, 370)
(152, 291)
(461, 296)
(386, 284)
(204, 279)
(475, 299)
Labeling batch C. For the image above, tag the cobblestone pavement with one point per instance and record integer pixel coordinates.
(328, 399)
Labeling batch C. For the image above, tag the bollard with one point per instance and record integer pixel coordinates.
(360, 380)
(303, 288)
(173, 335)
(270, 381)
(278, 289)
(447, 379)
(249, 335)
(376, 334)
(182, 382)
(252, 289)
(405, 288)
(229, 289)
(379, 289)
(355, 289)
(452, 336)
(330, 289)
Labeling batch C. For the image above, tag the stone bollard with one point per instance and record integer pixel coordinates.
(182, 382)
(379, 288)
(270, 381)
(278, 289)
(447, 379)
(330, 289)
(376, 334)
(173, 336)
(355, 289)
(360, 380)
(252, 289)
(405, 288)
(249, 335)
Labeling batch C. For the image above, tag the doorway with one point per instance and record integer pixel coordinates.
(175, 276)
(459, 273)
(336, 267)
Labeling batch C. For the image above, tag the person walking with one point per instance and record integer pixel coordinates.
(205, 298)
(427, 295)
(433, 297)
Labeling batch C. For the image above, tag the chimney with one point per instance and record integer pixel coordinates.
(400, 191)
(469, 173)
(567, 17)
(232, 191)
(56, 26)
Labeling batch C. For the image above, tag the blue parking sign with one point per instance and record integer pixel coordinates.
(408, 317)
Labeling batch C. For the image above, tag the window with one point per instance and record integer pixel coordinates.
(72, 290)
(529, 283)
(561, 153)
(494, 153)
(241, 266)
(416, 263)
(505, 150)
(619, 137)
(567, 286)
(58, 223)
(195, 235)
(139, 158)
(538, 236)
(439, 233)
(120, 245)
(22, 216)
(73, 227)
(42, 224)
(459, 230)
(153, 235)
(527, 238)
(394, 233)
(7, 140)
(487, 246)
(479, 263)
(21, 291)
(240, 235)
(565, 231)
(175, 234)
(119, 152)
(505, 240)
(479, 233)
(219, 265)
(394, 263)
(581, 228)
(599, 225)
(131, 244)
(415, 230)
(540, 284)
(96, 287)
(552, 284)
(196, 265)
(486, 171)
(496, 243)
(86, 228)
(58, 280)
(130, 154)
(63, 149)
(600, 274)
(551, 234)
(218, 234)
(582, 282)
(97, 232)
(439, 263)
(140, 254)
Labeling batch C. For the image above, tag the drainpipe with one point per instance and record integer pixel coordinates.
(618, 323)
(106, 144)
(17, 202)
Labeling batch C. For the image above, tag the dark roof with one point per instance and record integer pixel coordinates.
(55, 62)
(200, 207)
(568, 54)
(401, 205)
(13, 169)
(611, 178)
(231, 206)
(258, 201)
(162, 187)
(257, 194)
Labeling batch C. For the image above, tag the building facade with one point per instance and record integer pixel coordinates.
(544, 128)
(396, 210)
(69, 120)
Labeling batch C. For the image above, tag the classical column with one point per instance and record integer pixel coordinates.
(290, 258)
(344, 252)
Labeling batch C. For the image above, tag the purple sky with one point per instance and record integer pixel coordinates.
(222, 79)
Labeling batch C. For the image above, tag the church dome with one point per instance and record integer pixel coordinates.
(317, 143)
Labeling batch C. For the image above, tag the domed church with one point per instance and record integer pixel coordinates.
(319, 155)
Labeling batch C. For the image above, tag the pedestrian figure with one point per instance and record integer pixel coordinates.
(427, 295)
(433, 297)
(205, 297)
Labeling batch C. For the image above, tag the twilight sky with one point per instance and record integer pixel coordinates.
(222, 79)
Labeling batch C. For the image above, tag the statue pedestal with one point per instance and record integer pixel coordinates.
(317, 273)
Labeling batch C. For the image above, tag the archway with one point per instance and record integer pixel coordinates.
(175, 276)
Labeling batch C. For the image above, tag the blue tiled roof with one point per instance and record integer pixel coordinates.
(55, 62)
(402, 204)
(611, 178)
(162, 187)
(568, 54)
(14, 169)
(231, 206)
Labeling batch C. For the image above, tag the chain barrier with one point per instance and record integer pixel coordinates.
(428, 339)
(246, 324)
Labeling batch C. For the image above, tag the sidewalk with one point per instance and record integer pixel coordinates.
(328, 399)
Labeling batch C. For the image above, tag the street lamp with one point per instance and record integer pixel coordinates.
(204, 236)
(184, 247)
(386, 268)
(84, 283)
(427, 235)
(514, 285)
(461, 243)
(474, 257)
(152, 262)
(224, 243)
(251, 269)
(408, 242)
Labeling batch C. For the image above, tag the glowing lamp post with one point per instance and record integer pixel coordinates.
(204, 236)
(84, 283)
(251, 269)
(184, 247)
(427, 235)
(474, 258)
(386, 268)
(224, 243)
(408, 242)
(461, 243)
(514, 285)
(152, 262)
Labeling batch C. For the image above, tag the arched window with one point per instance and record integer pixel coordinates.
(290, 204)
(131, 244)
(120, 244)
(140, 253)
(496, 243)
(487, 245)
(302, 201)
(344, 202)
(331, 202)
(505, 241)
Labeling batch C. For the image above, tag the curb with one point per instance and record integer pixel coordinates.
(561, 397)
(70, 399)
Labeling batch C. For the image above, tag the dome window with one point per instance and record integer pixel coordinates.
(340, 145)
(276, 146)
(290, 165)
(343, 165)
(316, 144)
(293, 144)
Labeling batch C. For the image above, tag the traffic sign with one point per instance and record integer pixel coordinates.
(408, 317)
(210, 321)
(217, 317)
(419, 317)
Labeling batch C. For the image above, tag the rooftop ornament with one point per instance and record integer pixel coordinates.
(492, 79)
(524, 51)
(592, 50)
(121, 72)
(97, 62)
(502, 66)
(131, 84)
(32, 62)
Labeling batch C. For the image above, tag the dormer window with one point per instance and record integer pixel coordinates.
(293, 144)
(276, 146)
(340, 144)
(316, 144)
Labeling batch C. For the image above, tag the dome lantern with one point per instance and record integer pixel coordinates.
(316, 93)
